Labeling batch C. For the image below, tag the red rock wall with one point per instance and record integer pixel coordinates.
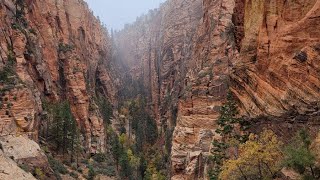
(156, 49)
(278, 67)
(58, 54)
(206, 89)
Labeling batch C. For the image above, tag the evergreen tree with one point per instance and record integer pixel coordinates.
(63, 128)
(116, 148)
(125, 171)
(300, 157)
(231, 130)
(91, 173)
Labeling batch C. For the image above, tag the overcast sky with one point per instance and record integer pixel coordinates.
(116, 13)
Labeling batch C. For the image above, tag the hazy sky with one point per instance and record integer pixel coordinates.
(116, 13)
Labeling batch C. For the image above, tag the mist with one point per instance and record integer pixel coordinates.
(115, 14)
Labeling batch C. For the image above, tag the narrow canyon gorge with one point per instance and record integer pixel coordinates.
(149, 101)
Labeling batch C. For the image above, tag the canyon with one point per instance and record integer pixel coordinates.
(184, 58)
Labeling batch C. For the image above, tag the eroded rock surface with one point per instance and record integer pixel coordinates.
(184, 55)
(57, 47)
(20, 151)
(207, 83)
(278, 67)
(10, 170)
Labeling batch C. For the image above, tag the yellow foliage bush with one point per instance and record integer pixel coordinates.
(259, 158)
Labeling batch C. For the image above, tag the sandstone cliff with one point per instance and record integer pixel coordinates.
(207, 83)
(156, 49)
(266, 52)
(52, 50)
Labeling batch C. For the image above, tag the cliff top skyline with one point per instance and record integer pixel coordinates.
(115, 14)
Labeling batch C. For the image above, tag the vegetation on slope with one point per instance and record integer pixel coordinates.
(236, 154)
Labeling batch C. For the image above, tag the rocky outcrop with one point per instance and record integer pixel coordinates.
(10, 170)
(19, 151)
(26, 153)
(58, 49)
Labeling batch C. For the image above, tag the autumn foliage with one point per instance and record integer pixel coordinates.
(259, 158)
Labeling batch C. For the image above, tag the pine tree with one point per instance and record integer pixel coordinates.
(63, 128)
(231, 130)
(300, 157)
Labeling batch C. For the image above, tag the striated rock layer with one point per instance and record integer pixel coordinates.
(278, 68)
(266, 52)
(207, 83)
(60, 50)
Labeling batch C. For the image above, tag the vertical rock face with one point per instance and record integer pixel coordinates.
(156, 49)
(207, 82)
(177, 53)
(58, 47)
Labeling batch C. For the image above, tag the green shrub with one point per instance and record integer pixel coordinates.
(74, 175)
(66, 162)
(91, 173)
(80, 170)
(6, 73)
(298, 155)
(33, 31)
(65, 47)
(108, 171)
(39, 173)
(100, 157)
(57, 166)
(85, 161)
(24, 167)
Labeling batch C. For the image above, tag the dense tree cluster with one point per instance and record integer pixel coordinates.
(62, 128)
(142, 124)
(134, 149)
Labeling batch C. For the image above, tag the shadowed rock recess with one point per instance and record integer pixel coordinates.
(182, 59)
